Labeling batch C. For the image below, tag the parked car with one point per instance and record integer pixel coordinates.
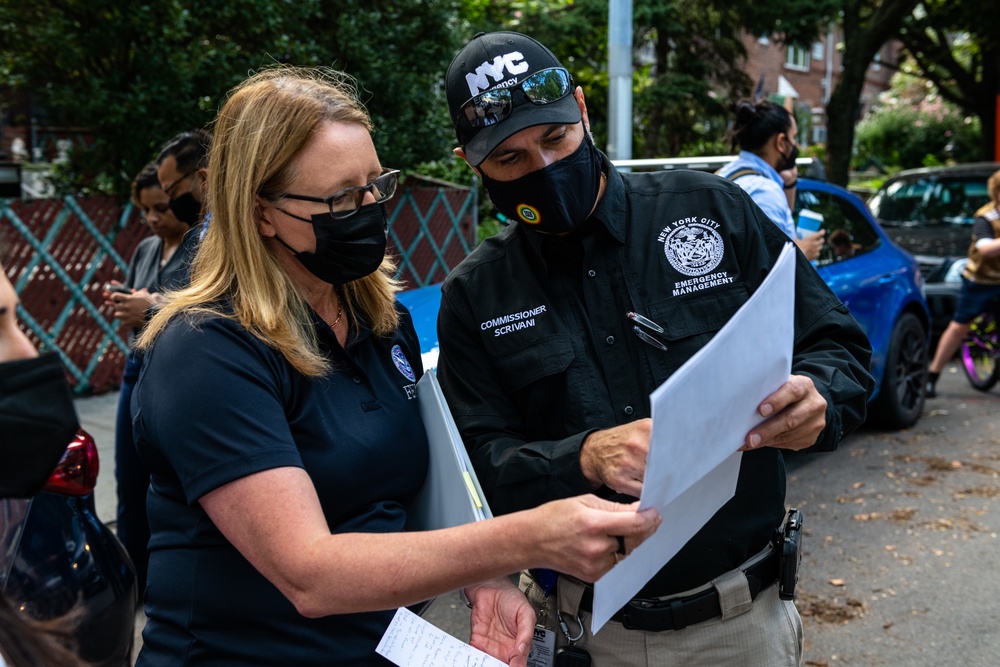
(879, 283)
(930, 212)
(55, 556)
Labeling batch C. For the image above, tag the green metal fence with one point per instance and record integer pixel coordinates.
(59, 253)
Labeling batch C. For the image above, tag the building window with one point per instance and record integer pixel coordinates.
(817, 52)
(797, 58)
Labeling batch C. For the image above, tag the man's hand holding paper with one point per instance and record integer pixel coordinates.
(794, 415)
(616, 457)
(695, 449)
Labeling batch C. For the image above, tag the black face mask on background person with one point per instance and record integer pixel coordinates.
(346, 248)
(788, 161)
(186, 208)
(37, 422)
(555, 200)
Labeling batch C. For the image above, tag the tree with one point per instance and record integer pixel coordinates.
(688, 60)
(867, 25)
(956, 46)
(912, 126)
(136, 74)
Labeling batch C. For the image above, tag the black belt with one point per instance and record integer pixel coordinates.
(678, 613)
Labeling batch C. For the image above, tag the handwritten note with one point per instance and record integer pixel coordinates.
(410, 641)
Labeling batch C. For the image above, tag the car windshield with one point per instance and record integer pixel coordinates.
(952, 200)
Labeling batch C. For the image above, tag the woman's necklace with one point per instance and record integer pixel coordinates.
(340, 314)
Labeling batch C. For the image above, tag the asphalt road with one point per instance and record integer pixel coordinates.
(901, 560)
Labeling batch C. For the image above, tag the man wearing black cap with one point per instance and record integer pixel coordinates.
(554, 332)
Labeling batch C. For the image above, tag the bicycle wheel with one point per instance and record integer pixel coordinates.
(980, 352)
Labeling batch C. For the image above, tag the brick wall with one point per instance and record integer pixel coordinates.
(767, 58)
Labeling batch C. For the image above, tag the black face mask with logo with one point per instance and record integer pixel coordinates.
(346, 248)
(555, 200)
(37, 422)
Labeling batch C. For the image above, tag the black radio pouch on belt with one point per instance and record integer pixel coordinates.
(789, 544)
(572, 656)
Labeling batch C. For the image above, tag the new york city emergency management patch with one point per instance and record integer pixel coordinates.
(694, 247)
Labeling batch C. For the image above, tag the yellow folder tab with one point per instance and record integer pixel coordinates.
(472, 489)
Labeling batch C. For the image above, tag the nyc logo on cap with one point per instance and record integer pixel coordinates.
(513, 63)
(402, 364)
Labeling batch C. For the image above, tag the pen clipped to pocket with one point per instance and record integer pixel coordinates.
(647, 330)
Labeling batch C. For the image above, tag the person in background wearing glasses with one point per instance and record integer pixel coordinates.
(160, 262)
(554, 333)
(765, 167)
(276, 411)
(182, 167)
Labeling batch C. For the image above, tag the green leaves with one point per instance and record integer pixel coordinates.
(135, 74)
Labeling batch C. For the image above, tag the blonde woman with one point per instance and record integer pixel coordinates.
(275, 411)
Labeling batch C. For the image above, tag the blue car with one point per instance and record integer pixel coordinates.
(881, 285)
(879, 282)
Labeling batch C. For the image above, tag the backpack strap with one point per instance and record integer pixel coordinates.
(740, 173)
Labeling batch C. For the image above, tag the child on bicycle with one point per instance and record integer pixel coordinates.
(980, 282)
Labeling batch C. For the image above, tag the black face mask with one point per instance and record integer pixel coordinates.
(346, 248)
(788, 161)
(37, 422)
(556, 199)
(186, 208)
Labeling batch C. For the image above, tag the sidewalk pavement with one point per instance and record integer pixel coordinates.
(97, 416)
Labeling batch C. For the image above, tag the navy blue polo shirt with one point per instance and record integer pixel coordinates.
(214, 404)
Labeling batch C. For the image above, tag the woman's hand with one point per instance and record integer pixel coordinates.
(502, 621)
(580, 536)
(130, 309)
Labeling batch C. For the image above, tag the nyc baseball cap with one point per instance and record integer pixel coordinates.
(527, 86)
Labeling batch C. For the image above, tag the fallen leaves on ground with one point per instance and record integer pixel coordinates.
(899, 516)
(981, 491)
(830, 611)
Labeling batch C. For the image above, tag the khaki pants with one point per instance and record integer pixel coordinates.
(766, 633)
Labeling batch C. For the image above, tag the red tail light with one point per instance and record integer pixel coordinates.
(76, 474)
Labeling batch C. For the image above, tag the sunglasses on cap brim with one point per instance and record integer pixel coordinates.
(543, 87)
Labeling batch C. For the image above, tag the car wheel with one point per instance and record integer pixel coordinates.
(901, 398)
(980, 351)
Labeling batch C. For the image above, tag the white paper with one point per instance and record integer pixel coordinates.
(410, 641)
(701, 416)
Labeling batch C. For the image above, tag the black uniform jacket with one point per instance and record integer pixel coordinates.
(537, 352)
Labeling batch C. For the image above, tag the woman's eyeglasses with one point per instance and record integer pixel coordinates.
(345, 203)
(542, 87)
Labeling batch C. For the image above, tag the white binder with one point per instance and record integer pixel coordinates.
(451, 494)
